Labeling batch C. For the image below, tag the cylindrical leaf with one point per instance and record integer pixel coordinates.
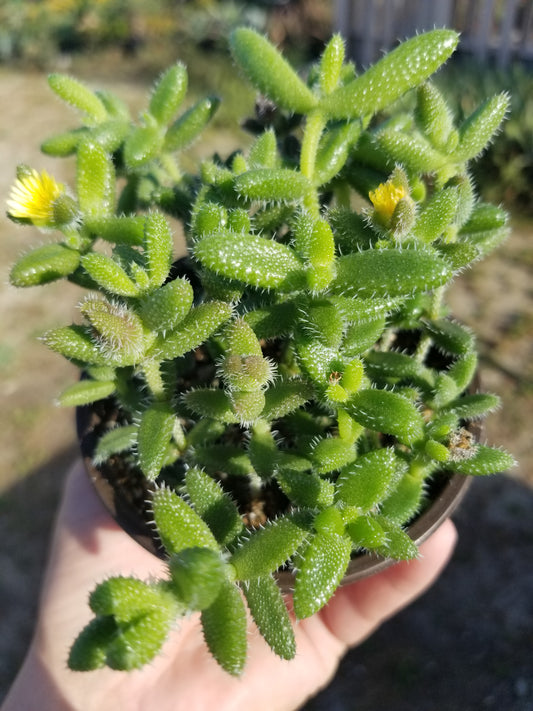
(268, 548)
(272, 185)
(480, 127)
(320, 571)
(155, 430)
(189, 126)
(213, 505)
(224, 625)
(369, 479)
(158, 246)
(142, 145)
(178, 526)
(258, 261)
(168, 93)
(390, 272)
(85, 392)
(198, 325)
(78, 95)
(269, 72)
(43, 265)
(270, 615)
(109, 275)
(387, 412)
(165, 307)
(95, 180)
(402, 69)
(75, 342)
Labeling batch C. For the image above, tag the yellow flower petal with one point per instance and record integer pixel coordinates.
(32, 198)
(385, 198)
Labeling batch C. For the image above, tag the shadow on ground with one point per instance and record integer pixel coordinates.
(467, 645)
(27, 512)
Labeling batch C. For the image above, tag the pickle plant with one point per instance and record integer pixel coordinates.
(300, 352)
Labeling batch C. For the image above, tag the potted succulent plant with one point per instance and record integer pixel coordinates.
(291, 393)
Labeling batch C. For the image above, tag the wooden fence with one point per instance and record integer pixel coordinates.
(491, 30)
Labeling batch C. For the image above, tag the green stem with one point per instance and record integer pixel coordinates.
(425, 342)
(154, 379)
(313, 130)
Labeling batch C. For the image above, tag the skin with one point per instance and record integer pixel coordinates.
(88, 547)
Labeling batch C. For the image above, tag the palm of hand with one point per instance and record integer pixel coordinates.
(88, 546)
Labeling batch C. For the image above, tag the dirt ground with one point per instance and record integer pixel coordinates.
(466, 646)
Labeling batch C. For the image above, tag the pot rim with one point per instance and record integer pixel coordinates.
(444, 503)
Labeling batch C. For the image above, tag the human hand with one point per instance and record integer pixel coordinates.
(88, 546)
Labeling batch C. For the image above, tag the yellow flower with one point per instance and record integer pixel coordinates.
(33, 196)
(385, 198)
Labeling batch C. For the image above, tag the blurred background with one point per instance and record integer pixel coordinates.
(467, 644)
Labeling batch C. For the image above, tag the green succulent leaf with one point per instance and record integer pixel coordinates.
(257, 261)
(124, 597)
(213, 505)
(142, 145)
(127, 230)
(89, 651)
(433, 115)
(332, 453)
(119, 439)
(402, 69)
(166, 307)
(85, 392)
(389, 412)
(224, 624)
(368, 480)
(158, 246)
(308, 490)
(479, 128)
(470, 407)
(264, 151)
(406, 501)
(188, 127)
(76, 343)
(399, 545)
(95, 181)
(485, 460)
(451, 336)
(109, 275)
(211, 403)
(390, 272)
(323, 564)
(285, 396)
(178, 525)
(268, 548)
(79, 96)
(43, 265)
(168, 93)
(333, 151)
(198, 325)
(269, 72)
(139, 640)
(436, 215)
(366, 532)
(155, 431)
(270, 615)
(272, 185)
(197, 576)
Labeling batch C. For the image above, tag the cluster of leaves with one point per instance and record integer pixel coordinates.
(301, 346)
(505, 170)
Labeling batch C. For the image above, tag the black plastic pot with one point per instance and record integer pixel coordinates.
(127, 504)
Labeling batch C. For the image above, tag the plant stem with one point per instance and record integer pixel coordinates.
(154, 379)
(313, 130)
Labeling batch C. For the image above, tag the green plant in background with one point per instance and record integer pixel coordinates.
(301, 351)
